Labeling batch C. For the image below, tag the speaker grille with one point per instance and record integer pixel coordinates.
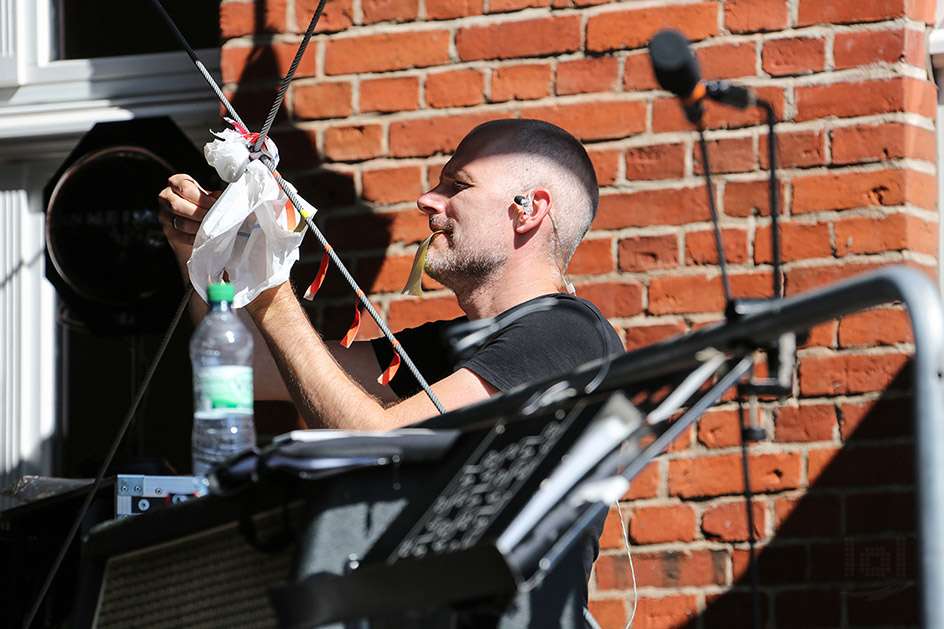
(210, 579)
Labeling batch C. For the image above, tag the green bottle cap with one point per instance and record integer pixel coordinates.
(220, 292)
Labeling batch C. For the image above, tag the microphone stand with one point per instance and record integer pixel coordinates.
(781, 354)
(780, 357)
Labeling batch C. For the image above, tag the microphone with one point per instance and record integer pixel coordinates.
(677, 71)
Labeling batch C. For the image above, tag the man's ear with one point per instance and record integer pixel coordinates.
(538, 201)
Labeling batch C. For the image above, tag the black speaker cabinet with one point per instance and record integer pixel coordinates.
(213, 562)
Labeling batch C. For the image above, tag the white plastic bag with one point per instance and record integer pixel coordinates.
(229, 155)
(247, 233)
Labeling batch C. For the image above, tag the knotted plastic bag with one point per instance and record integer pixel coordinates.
(249, 232)
(229, 155)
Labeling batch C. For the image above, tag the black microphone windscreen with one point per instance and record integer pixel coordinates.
(674, 64)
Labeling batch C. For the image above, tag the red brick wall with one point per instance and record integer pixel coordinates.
(389, 87)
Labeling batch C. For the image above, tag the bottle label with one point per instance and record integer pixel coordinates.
(223, 386)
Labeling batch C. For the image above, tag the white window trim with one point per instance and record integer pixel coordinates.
(43, 98)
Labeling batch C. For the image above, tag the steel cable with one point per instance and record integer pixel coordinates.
(288, 77)
(196, 61)
(398, 348)
(292, 195)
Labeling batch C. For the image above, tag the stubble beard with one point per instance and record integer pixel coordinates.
(462, 268)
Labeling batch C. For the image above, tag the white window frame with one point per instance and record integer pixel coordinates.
(41, 97)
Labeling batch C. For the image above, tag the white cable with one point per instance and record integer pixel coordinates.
(590, 620)
(629, 556)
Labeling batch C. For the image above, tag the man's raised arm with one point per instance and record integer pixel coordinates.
(327, 395)
(332, 386)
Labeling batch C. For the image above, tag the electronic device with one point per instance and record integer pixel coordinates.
(136, 494)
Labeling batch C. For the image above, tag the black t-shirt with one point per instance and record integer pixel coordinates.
(540, 339)
(534, 344)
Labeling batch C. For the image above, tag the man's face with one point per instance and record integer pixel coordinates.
(471, 205)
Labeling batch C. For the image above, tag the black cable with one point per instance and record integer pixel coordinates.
(288, 77)
(196, 61)
(751, 540)
(142, 389)
(774, 196)
(719, 243)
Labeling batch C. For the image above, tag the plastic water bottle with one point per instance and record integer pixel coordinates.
(221, 353)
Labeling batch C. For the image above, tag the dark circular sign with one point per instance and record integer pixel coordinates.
(103, 235)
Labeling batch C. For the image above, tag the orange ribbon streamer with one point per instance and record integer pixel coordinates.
(291, 218)
(352, 332)
(388, 374)
(319, 278)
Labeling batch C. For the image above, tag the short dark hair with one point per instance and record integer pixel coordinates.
(577, 192)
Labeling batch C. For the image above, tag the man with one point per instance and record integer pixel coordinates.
(512, 204)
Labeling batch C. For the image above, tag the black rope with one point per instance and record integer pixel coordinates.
(719, 243)
(142, 388)
(288, 77)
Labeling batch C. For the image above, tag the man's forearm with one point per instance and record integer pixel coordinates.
(325, 395)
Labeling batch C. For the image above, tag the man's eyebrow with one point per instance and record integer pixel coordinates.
(457, 173)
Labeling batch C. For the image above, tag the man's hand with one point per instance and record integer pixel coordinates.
(184, 203)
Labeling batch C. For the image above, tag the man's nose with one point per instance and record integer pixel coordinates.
(430, 202)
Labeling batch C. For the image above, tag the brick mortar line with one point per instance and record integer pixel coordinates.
(839, 493)
(839, 400)
(676, 546)
(870, 350)
(793, 13)
(829, 28)
(520, 107)
(722, 38)
(319, 46)
(767, 447)
(751, 268)
(792, 126)
(454, 24)
(787, 175)
(639, 5)
(876, 71)
(357, 8)
(883, 257)
(644, 140)
(846, 585)
(616, 93)
(489, 18)
(806, 541)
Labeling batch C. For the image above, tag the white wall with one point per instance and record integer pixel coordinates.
(27, 331)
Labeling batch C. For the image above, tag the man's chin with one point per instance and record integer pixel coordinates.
(443, 272)
(436, 272)
(455, 271)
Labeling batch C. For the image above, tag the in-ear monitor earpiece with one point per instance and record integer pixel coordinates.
(525, 203)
